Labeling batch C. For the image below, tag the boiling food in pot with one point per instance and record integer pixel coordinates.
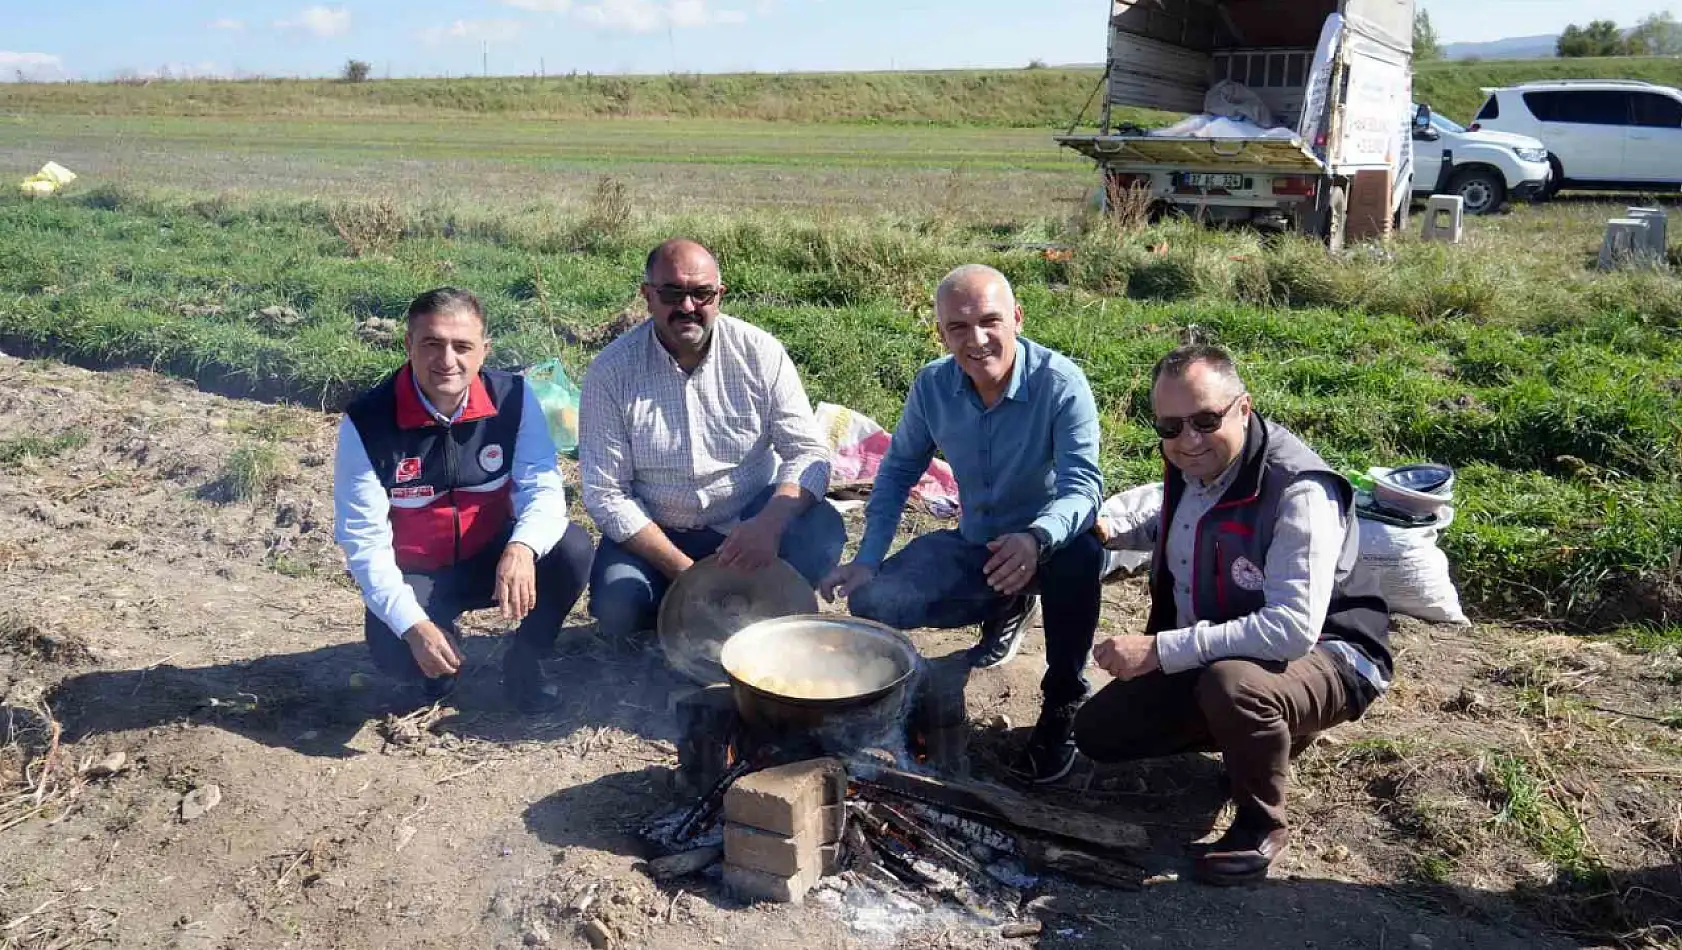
(820, 671)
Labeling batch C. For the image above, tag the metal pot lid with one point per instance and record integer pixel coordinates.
(709, 602)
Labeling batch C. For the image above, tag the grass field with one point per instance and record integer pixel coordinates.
(1027, 98)
(1556, 389)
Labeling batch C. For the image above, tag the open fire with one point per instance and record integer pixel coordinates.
(873, 800)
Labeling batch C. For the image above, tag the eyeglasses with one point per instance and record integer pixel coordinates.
(1205, 422)
(673, 296)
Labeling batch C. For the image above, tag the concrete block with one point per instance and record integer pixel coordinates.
(750, 885)
(1658, 230)
(1627, 241)
(785, 798)
(1445, 219)
(791, 856)
(829, 859)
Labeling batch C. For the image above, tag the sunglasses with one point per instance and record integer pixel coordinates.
(1205, 422)
(674, 296)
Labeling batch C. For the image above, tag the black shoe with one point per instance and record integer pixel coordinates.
(1241, 856)
(1049, 755)
(1002, 636)
(527, 688)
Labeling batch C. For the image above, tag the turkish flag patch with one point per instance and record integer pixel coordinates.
(408, 470)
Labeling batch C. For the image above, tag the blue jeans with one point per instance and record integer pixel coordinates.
(625, 590)
(937, 581)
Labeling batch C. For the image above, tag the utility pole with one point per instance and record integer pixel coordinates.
(485, 57)
(542, 68)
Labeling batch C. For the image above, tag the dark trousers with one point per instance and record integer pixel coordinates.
(471, 585)
(937, 581)
(1250, 711)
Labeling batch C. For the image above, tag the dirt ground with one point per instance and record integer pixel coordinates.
(217, 642)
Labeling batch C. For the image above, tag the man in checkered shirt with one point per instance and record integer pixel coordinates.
(695, 438)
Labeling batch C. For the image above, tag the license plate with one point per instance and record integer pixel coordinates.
(1210, 180)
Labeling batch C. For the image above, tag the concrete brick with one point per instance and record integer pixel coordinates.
(748, 884)
(783, 799)
(749, 847)
(832, 821)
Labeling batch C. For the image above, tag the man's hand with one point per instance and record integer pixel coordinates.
(845, 579)
(1127, 657)
(753, 544)
(432, 650)
(1015, 559)
(516, 581)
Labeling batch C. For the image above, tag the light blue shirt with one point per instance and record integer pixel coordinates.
(361, 510)
(1032, 459)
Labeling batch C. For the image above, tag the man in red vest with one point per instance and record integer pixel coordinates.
(447, 498)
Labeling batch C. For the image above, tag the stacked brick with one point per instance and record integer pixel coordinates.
(783, 828)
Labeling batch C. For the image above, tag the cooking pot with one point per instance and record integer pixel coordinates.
(812, 672)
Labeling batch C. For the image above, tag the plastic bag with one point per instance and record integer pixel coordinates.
(558, 396)
(1412, 572)
(1121, 514)
(857, 445)
(1234, 100)
(48, 180)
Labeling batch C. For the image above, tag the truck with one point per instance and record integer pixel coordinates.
(1333, 77)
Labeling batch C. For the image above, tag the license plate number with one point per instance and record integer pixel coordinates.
(1209, 180)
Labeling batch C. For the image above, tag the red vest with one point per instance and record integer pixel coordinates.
(450, 486)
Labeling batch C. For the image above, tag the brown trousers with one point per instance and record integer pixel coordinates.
(1250, 711)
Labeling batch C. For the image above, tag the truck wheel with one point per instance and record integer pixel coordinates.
(1337, 218)
(1481, 189)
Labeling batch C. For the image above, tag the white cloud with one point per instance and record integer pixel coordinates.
(541, 6)
(31, 66)
(321, 21)
(229, 24)
(474, 31)
(646, 16)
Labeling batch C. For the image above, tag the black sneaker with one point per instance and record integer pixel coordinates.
(1002, 636)
(1049, 755)
(526, 686)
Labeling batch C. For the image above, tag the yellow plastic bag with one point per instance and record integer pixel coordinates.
(48, 180)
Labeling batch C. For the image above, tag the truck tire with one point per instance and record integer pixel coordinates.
(1480, 189)
(1337, 218)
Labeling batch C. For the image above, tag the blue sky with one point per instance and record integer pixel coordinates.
(95, 39)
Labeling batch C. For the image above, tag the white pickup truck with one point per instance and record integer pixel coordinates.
(1485, 168)
(1334, 77)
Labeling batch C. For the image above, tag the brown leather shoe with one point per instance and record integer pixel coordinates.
(1241, 856)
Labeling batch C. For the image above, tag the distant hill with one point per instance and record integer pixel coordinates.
(1513, 47)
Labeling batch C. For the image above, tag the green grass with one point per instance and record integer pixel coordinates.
(1528, 808)
(1553, 388)
(15, 451)
(251, 472)
(1023, 98)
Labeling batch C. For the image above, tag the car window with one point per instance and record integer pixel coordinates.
(1657, 111)
(1584, 107)
(1491, 110)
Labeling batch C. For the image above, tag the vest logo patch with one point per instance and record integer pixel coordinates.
(413, 491)
(408, 470)
(1247, 575)
(490, 458)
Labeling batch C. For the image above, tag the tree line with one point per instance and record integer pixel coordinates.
(1657, 35)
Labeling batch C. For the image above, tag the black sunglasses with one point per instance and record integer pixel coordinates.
(1205, 422)
(673, 296)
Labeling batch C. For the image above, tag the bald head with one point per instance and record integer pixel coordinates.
(979, 320)
(678, 254)
(973, 283)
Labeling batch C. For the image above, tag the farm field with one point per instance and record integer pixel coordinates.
(175, 593)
